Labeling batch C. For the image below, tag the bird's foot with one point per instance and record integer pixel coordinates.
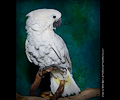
(40, 72)
(43, 71)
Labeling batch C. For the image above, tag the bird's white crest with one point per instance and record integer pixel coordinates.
(41, 19)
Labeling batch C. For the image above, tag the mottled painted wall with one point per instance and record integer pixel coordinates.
(81, 33)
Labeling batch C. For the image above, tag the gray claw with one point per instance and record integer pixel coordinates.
(45, 68)
(39, 72)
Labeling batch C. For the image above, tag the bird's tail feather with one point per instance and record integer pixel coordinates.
(69, 88)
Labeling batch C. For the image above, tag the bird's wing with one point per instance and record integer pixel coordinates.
(28, 55)
(61, 50)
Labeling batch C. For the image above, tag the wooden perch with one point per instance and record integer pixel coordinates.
(59, 91)
(35, 85)
(86, 94)
(37, 81)
(83, 95)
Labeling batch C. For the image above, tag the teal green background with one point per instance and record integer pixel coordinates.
(81, 32)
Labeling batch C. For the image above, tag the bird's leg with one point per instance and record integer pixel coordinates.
(59, 91)
(37, 80)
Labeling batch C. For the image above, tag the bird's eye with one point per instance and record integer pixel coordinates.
(54, 16)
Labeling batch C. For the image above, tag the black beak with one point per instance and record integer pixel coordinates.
(58, 23)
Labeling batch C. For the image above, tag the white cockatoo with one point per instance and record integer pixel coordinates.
(45, 48)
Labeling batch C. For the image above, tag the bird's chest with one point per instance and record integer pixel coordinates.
(41, 39)
(47, 37)
(40, 47)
